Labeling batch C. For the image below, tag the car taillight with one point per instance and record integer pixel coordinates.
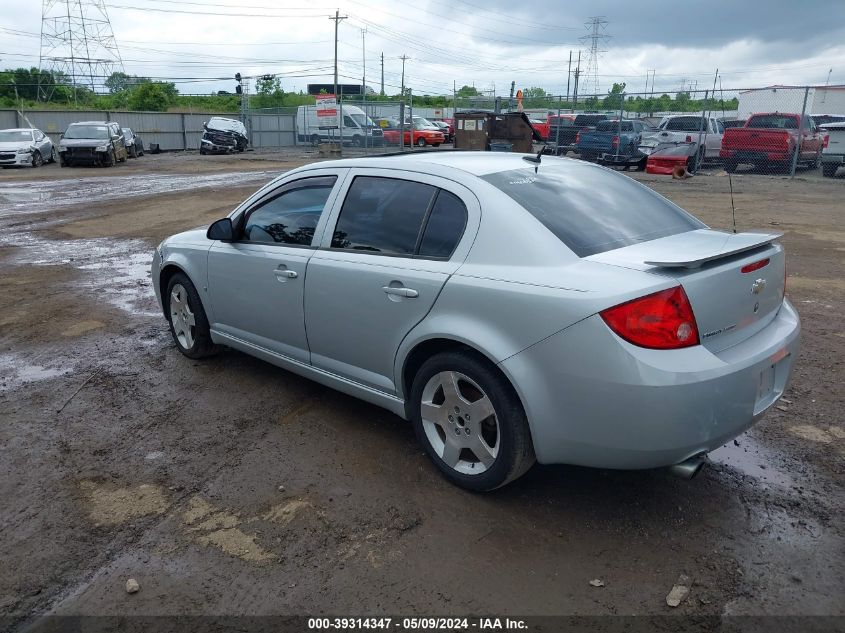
(826, 140)
(750, 268)
(663, 320)
(577, 137)
(615, 141)
(689, 139)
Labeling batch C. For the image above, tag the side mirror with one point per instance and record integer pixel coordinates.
(221, 230)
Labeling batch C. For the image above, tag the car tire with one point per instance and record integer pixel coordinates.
(141, 149)
(133, 153)
(111, 159)
(435, 144)
(829, 169)
(54, 155)
(37, 159)
(447, 391)
(420, 142)
(814, 164)
(183, 305)
(731, 165)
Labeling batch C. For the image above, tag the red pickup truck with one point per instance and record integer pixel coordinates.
(771, 138)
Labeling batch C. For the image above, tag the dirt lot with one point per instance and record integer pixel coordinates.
(232, 487)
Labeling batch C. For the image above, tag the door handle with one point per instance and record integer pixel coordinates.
(409, 293)
(290, 274)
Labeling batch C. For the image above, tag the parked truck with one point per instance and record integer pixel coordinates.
(772, 139)
(562, 132)
(358, 129)
(616, 138)
(833, 153)
(705, 132)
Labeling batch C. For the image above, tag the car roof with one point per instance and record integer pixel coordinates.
(18, 129)
(433, 161)
(92, 122)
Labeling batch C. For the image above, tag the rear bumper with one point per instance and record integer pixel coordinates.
(753, 156)
(836, 159)
(594, 400)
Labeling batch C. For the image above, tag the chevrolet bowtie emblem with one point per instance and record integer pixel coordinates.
(758, 286)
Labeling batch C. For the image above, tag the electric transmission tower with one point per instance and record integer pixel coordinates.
(596, 38)
(77, 41)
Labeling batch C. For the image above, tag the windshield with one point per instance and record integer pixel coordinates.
(420, 123)
(685, 124)
(12, 136)
(127, 132)
(88, 131)
(593, 210)
(362, 120)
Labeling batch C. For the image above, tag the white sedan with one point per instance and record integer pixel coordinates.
(25, 147)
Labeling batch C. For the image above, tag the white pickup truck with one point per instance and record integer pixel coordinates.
(833, 151)
(685, 128)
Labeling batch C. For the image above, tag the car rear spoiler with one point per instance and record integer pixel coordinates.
(733, 244)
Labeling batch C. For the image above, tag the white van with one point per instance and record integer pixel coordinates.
(358, 129)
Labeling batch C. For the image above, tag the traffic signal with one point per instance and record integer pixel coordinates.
(239, 88)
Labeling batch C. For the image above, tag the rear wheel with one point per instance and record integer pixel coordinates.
(814, 164)
(731, 165)
(829, 169)
(133, 152)
(315, 140)
(54, 155)
(188, 323)
(470, 421)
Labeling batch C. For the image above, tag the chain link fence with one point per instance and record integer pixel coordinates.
(771, 131)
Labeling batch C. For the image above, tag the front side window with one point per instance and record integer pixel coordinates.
(383, 215)
(291, 217)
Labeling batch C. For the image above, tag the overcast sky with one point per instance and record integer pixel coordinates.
(484, 43)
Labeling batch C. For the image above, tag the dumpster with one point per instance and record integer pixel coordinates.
(482, 130)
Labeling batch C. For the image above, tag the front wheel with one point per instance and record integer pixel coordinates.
(188, 323)
(420, 142)
(54, 155)
(37, 159)
(470, 421)
(133, 152)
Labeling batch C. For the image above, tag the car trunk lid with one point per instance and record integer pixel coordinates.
(734, 282)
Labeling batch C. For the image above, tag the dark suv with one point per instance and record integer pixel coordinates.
(92, 143)
(565, 138)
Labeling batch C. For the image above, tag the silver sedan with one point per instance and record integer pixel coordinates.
(512, 308)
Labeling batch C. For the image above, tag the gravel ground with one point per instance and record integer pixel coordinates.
(229, 486)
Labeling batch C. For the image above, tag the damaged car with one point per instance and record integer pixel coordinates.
(223, 136)
(21, 147)
(92, 143)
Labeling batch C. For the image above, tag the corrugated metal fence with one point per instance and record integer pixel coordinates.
(171, 130)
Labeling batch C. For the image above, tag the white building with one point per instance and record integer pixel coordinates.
(820, 100)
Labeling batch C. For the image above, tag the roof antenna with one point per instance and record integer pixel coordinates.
(535, 159)
(730, 181)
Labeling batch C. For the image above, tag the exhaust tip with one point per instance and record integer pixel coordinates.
(688, 468)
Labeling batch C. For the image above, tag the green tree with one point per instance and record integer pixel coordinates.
(613, 100)
(118, 81)
(533, 93)
(156, 96)
(467, 91)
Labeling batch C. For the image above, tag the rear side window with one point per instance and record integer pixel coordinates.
(388, 216)
(445, 226)
(593, 210)
(382, 215)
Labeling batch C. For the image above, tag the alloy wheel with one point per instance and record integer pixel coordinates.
(182, 317)
(460, 422)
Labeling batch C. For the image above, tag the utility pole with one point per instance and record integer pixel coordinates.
(568, 77)
(454, 99)
(382, 74)
(364, 81)
(337, 18)
(403, 58)
(577, 75)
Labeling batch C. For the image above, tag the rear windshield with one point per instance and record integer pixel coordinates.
(88, 131)
(593, 210)
(613, 126)
(589, 119)
(774, 121)
(685, 124)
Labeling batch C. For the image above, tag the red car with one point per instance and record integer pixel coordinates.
(421, 137)
(772, 138)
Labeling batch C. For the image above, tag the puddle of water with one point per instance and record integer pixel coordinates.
(748, 457)
(35, 196)
(16, 370)
(116, 270)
